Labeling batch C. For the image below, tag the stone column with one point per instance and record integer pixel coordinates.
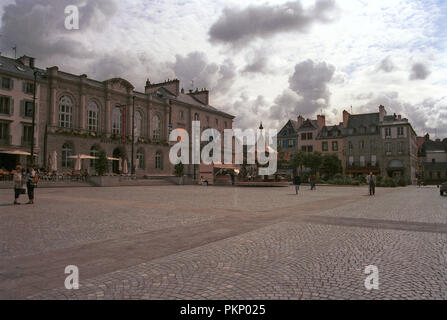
(82, 103)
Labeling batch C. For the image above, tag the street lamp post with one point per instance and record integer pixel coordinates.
(34, 116)
(132, 170)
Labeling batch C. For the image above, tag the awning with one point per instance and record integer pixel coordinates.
(16, 152)
(82, 156)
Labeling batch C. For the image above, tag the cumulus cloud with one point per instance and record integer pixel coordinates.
(258, 65)
(37, 26)
(250, 111)
(419, 71)
(308, 91)
(240, 26)
(195, 67)
(386, 65)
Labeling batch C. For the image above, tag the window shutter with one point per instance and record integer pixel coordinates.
(22, 108)
(11, 107)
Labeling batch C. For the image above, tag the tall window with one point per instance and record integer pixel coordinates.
(196, 116)
(158, 160)
(94, 152)
(334, 145)
(362, 161)
(388, 147)
(65, 112)
(27, 134)
(67, 151)
(350, 146)
(400, 131)
(92, 116)
(5, 105)
(182, 115)
(388, 132)
(400, 147)
(325, 146)
(140, 159)
(116, 121)
(362, 145)
(138, 124)
(7, 83)
(373, 160)
(4, 132)
(156, 127)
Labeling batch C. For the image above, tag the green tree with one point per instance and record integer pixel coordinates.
(179, 169)
(298, 160)
(102, 164)
(313, 161)
(331, 164)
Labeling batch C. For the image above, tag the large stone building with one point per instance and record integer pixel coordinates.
(79, 115)
(433, 157)
(380, 144)
(330, 141)
(16, 108)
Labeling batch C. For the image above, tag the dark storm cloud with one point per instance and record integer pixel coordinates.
(37, 26)
(195, 67)
(308, 91)
(386, 65)
(419, 71)
(238, 27)
(259, 65)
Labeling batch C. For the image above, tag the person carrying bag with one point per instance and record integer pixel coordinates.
(19, 183)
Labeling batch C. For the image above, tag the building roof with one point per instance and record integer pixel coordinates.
(431, 145)
(162, 92)
(363, 120)
(335, 131)
(15, 68)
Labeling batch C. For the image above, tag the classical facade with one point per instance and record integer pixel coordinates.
(16, 110)
(79, 115)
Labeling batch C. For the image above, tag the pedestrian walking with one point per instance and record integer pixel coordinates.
(297, 183)
(371, 179)
(312, 182)
(19, 183)
(31, 182)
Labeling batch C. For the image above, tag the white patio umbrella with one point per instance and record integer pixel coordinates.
(77, 166)
(120, 165)
(53, 161)
(125, 169)
(137, 163)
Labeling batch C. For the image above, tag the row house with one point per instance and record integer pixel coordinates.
(433, 159)
(372, 142)
(16, 111)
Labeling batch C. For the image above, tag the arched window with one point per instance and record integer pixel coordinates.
(67, 151)
(94, 152)
(92, 116)
(196, 117)
(140, 159)
(116, 121)
(156, 127)
(65, 112)
(158, 160)
(138, 124)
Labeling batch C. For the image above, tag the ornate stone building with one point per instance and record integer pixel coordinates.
(79, 115)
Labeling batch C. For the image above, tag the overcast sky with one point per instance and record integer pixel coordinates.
(262, 60)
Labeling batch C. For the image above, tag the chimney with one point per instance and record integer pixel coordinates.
(321, 121)
(203, 96)
(346, 115)
(300, 120)
(32, 62)
(382, 112)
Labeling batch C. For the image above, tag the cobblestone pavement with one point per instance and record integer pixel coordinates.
(225, 243)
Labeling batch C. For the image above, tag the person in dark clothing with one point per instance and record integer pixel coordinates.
(31, 183)
(297, 183)
(371, 179)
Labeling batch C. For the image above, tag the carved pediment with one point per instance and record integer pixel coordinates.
(119, 84)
